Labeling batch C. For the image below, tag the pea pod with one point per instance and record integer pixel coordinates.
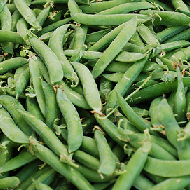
(27, 13)
(10, 129)
(49, 58)
(90, 89)
(115, 47)
(107, 160)
(133, 167)
(66, 170)
(75, 132)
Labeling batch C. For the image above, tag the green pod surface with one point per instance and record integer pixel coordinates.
(90, 89)
(107, 160)
(9, 182)
(27, 13)
(10, 129)
(74, 126)
(12, 63)
(64, 169)
(50, 59)
(115, 47)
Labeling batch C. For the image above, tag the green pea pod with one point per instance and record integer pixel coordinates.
(10, 129)
(12, 105)
(36, 78)
(126, 8)
(9, 182)
(133, 117)
(87, 160)
(41, 186)
(50, 59)
(27, 13)
(39, 172)
(16, 162)
(173, 183)
(115, 47)
(65, 170)
(47, 177)
(107, 160)
(56, 43)
(75, 131)
(133, 168)
(12, 63)
(167, 168)
(52, 111)
(90, 89)
(9, 36)
(47, 135)
(6, 21)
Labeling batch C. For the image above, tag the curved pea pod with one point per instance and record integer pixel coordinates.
(9, 182)
(172, 129)
(148, 36)
(55, 25)
(23, 158)
(12, 63)
(115, 47)
(9, 36)
(93, 176)
(50, 59)
(167, 168)
(6, 21)
(34, 175)
(22, 81)
(115, 19)
(181, 6)
(126, 81)
(27, 13)
(172, 183)
(33, 108)
(153, 110)
(126, 8)
(76, 98)
(86, 159)
(110, 128)
(56, 43)
(12, 105)
(41, 186)
(155, 91)
(167, 17)
(133, 167)
(90, 89)
(107, 160)
(64, 169)
(36, 78)
(125, 56)
(180, 99)
(71, 116)
(22, 29)
(52, 111)
(47, 177)
(47, 135)
(10, 129)
(169, 32)
(133, 117)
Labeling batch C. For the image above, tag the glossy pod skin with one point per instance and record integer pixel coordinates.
(74, 126)
(49, 58)
(66, 170)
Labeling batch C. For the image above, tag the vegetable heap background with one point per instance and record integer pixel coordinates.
(94, 94)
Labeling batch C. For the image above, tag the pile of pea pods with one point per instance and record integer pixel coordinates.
(94, 95)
